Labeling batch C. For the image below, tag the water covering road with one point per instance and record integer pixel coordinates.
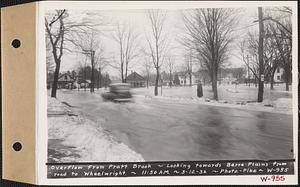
(163, 130)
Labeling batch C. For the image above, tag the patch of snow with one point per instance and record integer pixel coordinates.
(55, 106)
(284, 103)
(88, 140)
(238, 96)
(264, 106)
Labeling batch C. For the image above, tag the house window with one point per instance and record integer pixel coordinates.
(278, 77)
(66, 77)
(278, 71)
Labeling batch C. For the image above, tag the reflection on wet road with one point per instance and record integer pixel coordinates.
(168, 130)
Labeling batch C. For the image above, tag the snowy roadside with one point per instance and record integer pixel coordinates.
(74, 138)
(241, 96)
(281, 105)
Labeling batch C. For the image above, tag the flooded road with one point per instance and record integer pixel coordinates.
(161, 130)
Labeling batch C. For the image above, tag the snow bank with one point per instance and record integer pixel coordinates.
(234, 96)
(88, 140)
(281, 105)
(55, 106)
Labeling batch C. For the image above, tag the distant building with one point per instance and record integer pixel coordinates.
(135, 80)
(232, 75)
(84, 83)
(65, 80)
(228, 78)
(184, 78)
(278, 75)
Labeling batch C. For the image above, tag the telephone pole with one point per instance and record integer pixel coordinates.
(93, 68)
(92, 53)
(260, 56)
(248, 71)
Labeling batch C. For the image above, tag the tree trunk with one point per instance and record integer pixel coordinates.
(100, 78)
(147, 81)
(272, 84)
(126, 70)
(55, 80)
(156, 82)
(260, 95)
(92, 80)
(170, 78)
(215, 86)
(122, 73)
(272, 79)
(287, 77)
(190, 79)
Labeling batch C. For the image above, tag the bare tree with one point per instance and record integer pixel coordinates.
(59, 31)
(271, 54)
(276, 51)
(210, 33)
(50, 65)
(101, 61)
(285, 53)
(56, 37)
(170, 67)
(280, 31)
(249, 47)
(126, 38)
(189, 66)
(157, 42)
(147, 70)
(90, 45)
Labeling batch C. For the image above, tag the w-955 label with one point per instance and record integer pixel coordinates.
(272, 178)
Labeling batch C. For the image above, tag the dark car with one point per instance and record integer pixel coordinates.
(118, 92)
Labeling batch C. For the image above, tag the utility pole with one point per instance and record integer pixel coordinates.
(100, 77)
(248, 70)
(93, 67)
(92, 53)
(106, 80)
(260, 56)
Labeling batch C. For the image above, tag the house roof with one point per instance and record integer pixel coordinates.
(62, 78)
(134, 76)
(65, 78)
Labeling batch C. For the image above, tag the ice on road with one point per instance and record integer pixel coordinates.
(165, 131)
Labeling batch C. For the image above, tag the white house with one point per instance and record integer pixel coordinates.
(184, 78)
(278, 75)
(228, 79)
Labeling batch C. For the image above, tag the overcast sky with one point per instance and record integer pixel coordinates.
(174, 26)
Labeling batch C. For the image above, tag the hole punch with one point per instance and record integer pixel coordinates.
(16, 43)
(17, 146)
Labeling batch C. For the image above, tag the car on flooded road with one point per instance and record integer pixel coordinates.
(118, 92)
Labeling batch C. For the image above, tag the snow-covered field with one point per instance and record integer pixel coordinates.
(74, 138)
(277, 100)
